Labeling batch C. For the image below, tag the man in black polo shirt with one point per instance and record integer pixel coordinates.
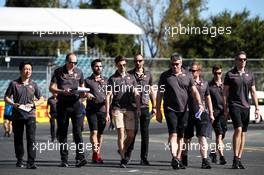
(174, 87)
(95, 108)
(24, 91)
(145, 89)
(216, 87)
(202, 123)
(65, 81)
(122, 87)
(237, 85)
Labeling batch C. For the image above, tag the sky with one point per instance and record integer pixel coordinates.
(216, 6)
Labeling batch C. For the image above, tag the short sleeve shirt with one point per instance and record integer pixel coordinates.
(23, 94)
(239, 86)
(123, 90)
(98, 89)
(176, 90)
(64, 81)
(216, 93)
(144, 83)
(203, 89)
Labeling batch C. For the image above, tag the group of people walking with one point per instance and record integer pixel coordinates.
(188, 102)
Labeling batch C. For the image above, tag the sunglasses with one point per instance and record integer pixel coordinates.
(123, 65)
(192, 70)
(217, 73)
(245, 59)
(139, 61)
(175, 64)
(72, 62)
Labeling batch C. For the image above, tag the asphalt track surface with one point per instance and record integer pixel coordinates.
(159, 155)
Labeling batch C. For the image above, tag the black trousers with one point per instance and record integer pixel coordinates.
(144, 121)
(18, 129)
(63, 116)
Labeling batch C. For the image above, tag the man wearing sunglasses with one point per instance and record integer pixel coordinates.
(174, 87)
(144, 81)
(202, 123)
(237, 85)
(122, 89)
(64, 82)
(216, 87)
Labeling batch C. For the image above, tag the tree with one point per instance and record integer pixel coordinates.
(111, 45)
(171, 13)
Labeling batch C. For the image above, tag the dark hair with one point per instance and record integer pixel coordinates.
(199, 65)
(119, 58)
(95, 61)
(240, 53)
(175, 57)
(68, 56)
(137, 54)
(216, 67)
(22, 65)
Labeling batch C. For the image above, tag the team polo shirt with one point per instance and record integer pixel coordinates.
(239, 86)
(144, 83)
(64, 81)
(216, 93)
(123, 90)
(98, 89)
(203, 89)
(177, 88)
(23, 94)
(52, 102)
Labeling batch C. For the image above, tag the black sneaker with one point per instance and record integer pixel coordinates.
(235, 163)
(144, 162)
(185, 160)
(175, 163)
(240, 164)
(31, 166)
(123, 163)
(19, 164)
(205, 164)
(80, 163)
(222, 160)
(213, 157)
(181, 166)
(64, 164)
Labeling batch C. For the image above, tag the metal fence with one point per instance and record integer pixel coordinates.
(43, 70)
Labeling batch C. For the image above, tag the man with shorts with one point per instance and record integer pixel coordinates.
(122, 88)
(174, 87)
(95, 108)
(202, 122)
(65, 82)
(26, 96)
(238, 82)
(216, 87)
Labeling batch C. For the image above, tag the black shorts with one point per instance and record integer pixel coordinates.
(240, 117)
(176, 121)
(200, 125)
(8, 117)
(220, 124)
(96, 121)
